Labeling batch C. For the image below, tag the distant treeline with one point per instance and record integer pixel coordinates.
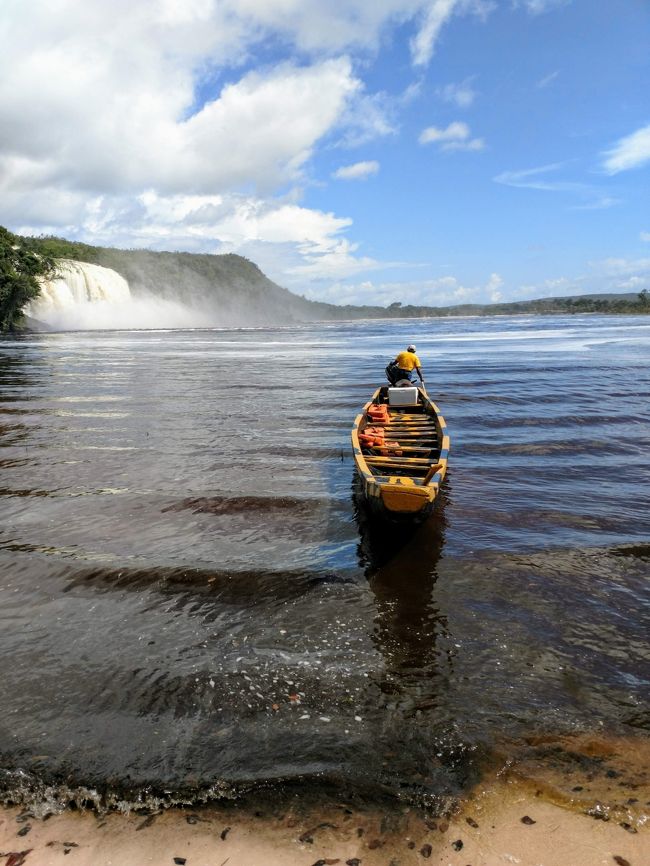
(237, 288)
(611, 303)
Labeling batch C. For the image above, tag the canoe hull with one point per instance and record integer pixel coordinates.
(386, 501)
(398, 497)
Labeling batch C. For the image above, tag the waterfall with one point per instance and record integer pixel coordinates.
(81, 283)
(90, 297)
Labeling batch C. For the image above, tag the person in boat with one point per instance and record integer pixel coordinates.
(406, 366)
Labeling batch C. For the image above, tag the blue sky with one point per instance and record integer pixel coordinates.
(427, 151)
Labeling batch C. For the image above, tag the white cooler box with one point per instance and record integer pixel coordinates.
(402, 396)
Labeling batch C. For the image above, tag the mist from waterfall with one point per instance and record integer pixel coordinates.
(90, 297)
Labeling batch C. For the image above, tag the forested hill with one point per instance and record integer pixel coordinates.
(244, 295)
(229, 283)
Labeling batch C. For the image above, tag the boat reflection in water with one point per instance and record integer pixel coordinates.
(415, 728)
(400, 563)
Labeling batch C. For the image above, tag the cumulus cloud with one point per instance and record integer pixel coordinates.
(492, 289)
(632, 151)
(260, 130)
(291, 243)
(456, 136)
(357, 171)
(152, 124)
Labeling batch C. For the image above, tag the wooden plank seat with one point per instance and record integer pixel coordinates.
(417, 449)
(387, 468)
(409, 461)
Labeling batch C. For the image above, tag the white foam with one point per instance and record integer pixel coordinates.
(89, 297)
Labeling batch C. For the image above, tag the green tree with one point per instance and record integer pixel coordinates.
(20, 269)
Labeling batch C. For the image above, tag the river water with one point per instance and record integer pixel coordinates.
(194, 603)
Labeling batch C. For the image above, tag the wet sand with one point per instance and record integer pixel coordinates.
(558, 803)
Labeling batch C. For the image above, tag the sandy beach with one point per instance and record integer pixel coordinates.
(543, 809)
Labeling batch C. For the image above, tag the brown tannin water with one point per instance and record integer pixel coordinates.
(194, 603)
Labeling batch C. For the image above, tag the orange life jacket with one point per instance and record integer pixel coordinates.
(378, 413)
(372, 437)
(375, 437)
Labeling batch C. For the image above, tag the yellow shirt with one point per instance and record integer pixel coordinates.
(407, 361)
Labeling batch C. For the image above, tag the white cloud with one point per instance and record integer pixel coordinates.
(115, 132)
(456, 136)
(294, 245)
(610, 275)
(337, 262)
(314, 26)
(492, 289)
(461, 94)
(367, 117)
(538, 7)
(528, 178)
(102, 97)
(632, 151)
(434, 17)
(537, 179)
(617, 267)
(634, 283)
(548, 79)
(437, 292)
(645, 236)
(259, 130)
(617, 274)
(357, 171)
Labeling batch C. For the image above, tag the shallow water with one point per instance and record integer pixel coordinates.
(192, 599)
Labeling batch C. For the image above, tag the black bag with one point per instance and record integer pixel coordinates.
(391, 372)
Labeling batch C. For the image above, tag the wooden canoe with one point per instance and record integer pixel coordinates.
(401, 460)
